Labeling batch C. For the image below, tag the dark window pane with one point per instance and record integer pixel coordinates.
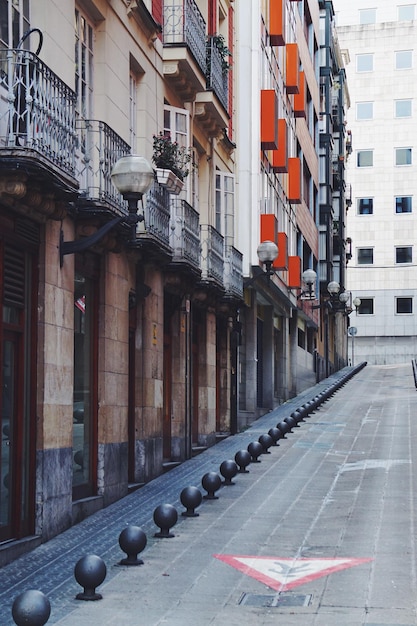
(366, 306)
(365, 256)
(365, 206)
(403, 204)
(404, 255)
(404, 305)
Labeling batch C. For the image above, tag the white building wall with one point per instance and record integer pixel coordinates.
(384, 336)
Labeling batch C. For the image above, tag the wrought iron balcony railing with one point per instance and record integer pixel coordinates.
(185, 233)
(212, 254)
(37, 109)
(99, 147)
(217, 75)
(185, 25)
(157, 214)
(233, 272)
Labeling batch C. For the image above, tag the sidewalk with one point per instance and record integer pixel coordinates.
(327, 518)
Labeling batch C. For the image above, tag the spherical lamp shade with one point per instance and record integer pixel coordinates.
(333, 288)
(132, 175)
(267, 251)
(357, 302)
(344, 297)
(309, 277)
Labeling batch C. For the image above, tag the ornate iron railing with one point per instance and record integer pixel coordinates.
(233, 272)
(37, 109)
(157, 213)
(212, 254)
(99, 147)
(185, 25)
(217, 76)
(185, 232)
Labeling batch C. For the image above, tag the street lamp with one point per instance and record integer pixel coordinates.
(356, 303)
(267, 252)
(132, 176)
(309, 278)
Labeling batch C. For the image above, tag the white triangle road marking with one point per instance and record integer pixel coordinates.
(282, 574)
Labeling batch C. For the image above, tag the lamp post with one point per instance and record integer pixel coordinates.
(309, 278)
(267, 252)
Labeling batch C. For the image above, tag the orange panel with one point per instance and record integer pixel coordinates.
(294, 180)
(281, 262)
(292, 66)
(277, 22)
(269, 227)
(294, 272)
(300, 98)
(280, 156)
(269, 119)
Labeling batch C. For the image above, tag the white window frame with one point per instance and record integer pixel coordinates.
(362, 56)
(84, 86)
(406, 18)
(404, 262)
(367, 16)
(402, 100)
(225, 205)
(133, 111)
(397, 298)
(357, 158)
(367, 108)
(397, 152)
(358, 204)
(180, 132)
(15, 11)
(364, 248)
(403, 212)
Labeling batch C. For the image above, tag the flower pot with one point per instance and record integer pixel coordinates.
(168, 179)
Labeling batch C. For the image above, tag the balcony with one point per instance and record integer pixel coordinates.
(212, 105)
(185, 236)
(184, 39)
(233, 270)
(99, 147)
(154, 235)
(37, 125)
(212, 255)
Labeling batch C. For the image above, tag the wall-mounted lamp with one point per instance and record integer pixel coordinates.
(132, 176)
(267, 252)
(356, 303)
(309, 278)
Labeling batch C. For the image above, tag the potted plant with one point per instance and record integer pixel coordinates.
(171, 162)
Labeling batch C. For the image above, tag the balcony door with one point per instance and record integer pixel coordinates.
(18, 416)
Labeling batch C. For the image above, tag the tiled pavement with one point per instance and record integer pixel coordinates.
(152, 595)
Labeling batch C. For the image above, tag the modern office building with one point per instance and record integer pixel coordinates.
(380, 41)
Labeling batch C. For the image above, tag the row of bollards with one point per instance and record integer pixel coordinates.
(32, 608)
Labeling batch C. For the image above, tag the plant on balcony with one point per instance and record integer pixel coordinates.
(169, 155)
(220, 43)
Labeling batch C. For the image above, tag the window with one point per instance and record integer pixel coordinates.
(14, 21)
(402, 108)
(132, 111)
(365, 158)
(225, 204)
(366, 306)
(404, 254)
(367, 16)
(403, 305)
(403, 204)
(364, 110)
(365, 206)
(83, 66)
(403, 156)
(406, 12)
(364, 62)
(403, 59)
(365, 256)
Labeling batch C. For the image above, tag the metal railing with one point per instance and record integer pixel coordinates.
(212, 254)
(157, 213)
(185, 25)
(217, 76)
(37, 109)
(233, 271)
(185, 232)
(99, 147)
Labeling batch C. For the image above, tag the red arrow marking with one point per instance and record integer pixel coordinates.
(282, 574)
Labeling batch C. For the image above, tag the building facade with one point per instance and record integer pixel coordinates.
(380, 40)
(118, 336)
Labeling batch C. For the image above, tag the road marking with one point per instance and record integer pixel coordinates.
(282, 574)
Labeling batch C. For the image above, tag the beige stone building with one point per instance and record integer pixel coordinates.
(118, 335)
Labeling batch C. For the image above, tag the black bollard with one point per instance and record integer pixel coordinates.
(89, 572)
(165, 517)
(191, 498)
(291, 422)
(243, 458)
(228, 469)
(266, 442)
(31, 608)
(276, 435)
(255, 450)
(132, 540)
(284, 428)
(211, 483)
